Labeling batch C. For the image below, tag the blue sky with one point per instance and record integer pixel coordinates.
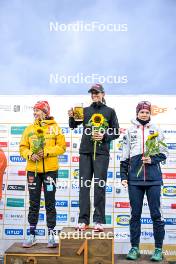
(145, 53)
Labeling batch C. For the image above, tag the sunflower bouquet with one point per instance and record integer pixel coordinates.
(98, 123)
(38, 144)
(152, 147)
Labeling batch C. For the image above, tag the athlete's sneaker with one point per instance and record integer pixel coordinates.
(51, 242)
(133, 254)
(157, 255)
(31, 241)
(81, 227)
(98, 227)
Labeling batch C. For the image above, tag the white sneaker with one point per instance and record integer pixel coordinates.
(51, 242)
(81, 227)
(98, 227)
(31, 241)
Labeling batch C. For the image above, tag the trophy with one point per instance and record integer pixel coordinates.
(78, 112)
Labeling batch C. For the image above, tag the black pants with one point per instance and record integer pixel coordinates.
(136, 195)
(88, 167)
(35, 185)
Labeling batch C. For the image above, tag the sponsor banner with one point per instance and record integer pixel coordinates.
(1, 232)
(109, 219)
(76, 144)
(63, 173)
(40, 232)
(14, 217)
(64, 160)
(109, 189)
(170, 236)
(16, 159)
(62, 204)
(15, 202)
(120, 191)
(42, 217)
(63, 188)
(121, 235)
(168, 205)
(62, 219)
(4, 129)
(74, 205)
(1, 217)
(109, 204)
(15, 171)
(169, 250)
(110, 173)
(17, 130)
(121, 204)
(170, 162)
(1, 204)
(14, 144)
(68, 144)
(3, 144)
(111, 160)
(13, 232)
(121, 220)
(73, 216)
(169, 176)
(13, 188)
(169, 191)
(171, 146)
(75, 159)
(74, 188)
(75, 173)
(146, 236)
(112, 143)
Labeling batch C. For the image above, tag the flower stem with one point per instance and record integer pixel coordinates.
(36, 168)
(139, 171)
(95, 147)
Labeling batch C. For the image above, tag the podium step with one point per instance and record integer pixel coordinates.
(144, 259)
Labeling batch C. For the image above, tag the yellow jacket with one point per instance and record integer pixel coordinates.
(54, 145)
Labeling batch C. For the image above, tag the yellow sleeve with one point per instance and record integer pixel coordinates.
(25, 151)
(59, 148)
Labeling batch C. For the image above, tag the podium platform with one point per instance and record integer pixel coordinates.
(74, 247)
(77, 247)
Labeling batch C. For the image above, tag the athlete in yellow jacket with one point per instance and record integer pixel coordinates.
(40, 145)
(54, 145)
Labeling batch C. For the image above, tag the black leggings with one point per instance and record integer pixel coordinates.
(48, 180)
(87, 168)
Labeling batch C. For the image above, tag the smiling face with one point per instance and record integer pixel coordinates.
(143, 114)
(39, 114)
(97, 96)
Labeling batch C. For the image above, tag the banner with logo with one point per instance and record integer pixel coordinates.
(16, 113)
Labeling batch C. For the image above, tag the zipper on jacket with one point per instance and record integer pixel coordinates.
(143, 149)
(43, 158)
(43, 165)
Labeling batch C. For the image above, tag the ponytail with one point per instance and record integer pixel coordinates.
(103, 101)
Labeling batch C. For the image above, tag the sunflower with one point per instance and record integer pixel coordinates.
(97, 120)
(152, 136)
(40, 132)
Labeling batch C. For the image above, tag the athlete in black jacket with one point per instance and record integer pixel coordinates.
(98, 167)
